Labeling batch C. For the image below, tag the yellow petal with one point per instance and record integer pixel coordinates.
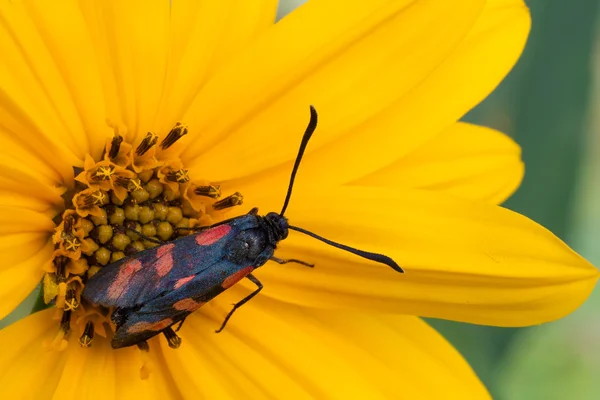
(464, 260)
(100, 372)
(273, 350)
(27, 370)
(38, 110)
(203, 36)
(130, 39)
(458, 83)
(21, 267)
(350, 65)
(25, 246)
(23, 186)
(17, 153)
(268, 349)
(465, 160)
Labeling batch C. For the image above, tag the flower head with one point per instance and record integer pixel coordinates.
(127, 123)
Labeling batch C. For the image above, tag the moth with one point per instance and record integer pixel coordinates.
(155, 289)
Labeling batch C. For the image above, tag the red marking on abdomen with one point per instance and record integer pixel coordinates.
(188, 305)
(123, 278)
(164, 259)
(180, 282)
(235, 278)
(212, 235)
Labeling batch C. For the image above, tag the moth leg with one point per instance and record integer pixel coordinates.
(143, 346)
(180, 324)
(172, 338)
(290, 260)
(243, 301)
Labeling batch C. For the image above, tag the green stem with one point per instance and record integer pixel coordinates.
(40, 304)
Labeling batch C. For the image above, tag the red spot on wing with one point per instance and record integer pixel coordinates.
(150, 326)
(235, 278)
(160, 325)
(139, 327)
(164, 259)
(180, 282)
(121, 282)
(212, 235)
(188, 305)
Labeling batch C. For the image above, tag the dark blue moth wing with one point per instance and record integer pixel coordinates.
(177, 304)
(159, 287)
(139, 279)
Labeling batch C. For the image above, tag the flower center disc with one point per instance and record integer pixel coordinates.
(129, 201)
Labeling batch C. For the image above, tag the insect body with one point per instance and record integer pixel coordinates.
(160, 287)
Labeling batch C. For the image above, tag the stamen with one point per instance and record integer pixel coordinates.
(147, 143)
(69, 223)
(235, 199)
(176, 133)
(88, 335)
(212, 191)
(65, 322)
(60, 262)
(115, 145)
(180, 176)
(59, 343)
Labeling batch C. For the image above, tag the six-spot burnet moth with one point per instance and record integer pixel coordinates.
(159, 287)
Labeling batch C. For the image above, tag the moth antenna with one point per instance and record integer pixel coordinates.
(312, 125)
(380, 258)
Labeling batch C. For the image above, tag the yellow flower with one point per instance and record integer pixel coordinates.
(82, 83)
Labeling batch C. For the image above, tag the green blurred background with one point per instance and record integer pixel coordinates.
(548, 104)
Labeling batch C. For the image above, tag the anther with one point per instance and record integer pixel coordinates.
(172, 338)
(115, 145)
(176, 133)
(69, 222)
(88, 335)
(147, 143)
(212, 191)
(123, 182)
(65, 322)
(179, 176)
(235, 199)
(60, 262)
